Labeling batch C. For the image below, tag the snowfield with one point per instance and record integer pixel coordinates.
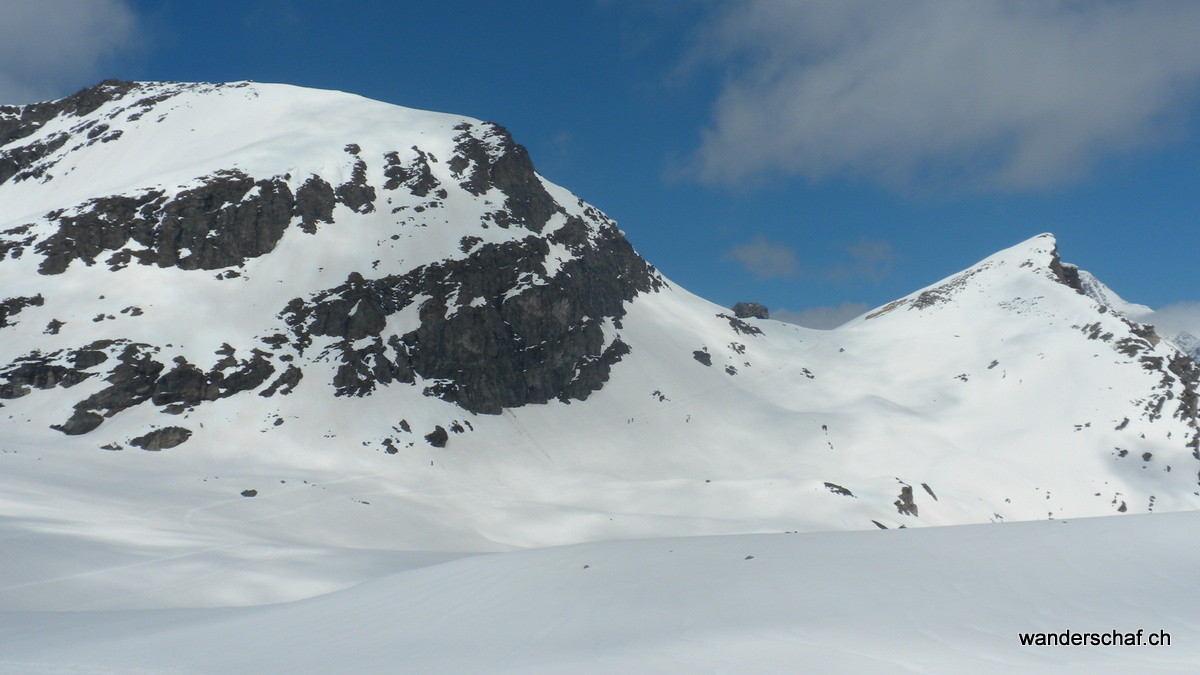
(944, 600)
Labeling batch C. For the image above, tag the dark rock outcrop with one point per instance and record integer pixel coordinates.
(838, 489)
(751, 310)
(739, 326)
(10, 306)
(417, 177)
(39, 370)
(506, 168)
(131, 382)
(186, 386)
(162, 439)
(356, 193)
(228, 218)
(904, 502)
(19, 121)
(80, 423)
(15, 240)
(136, 377)
(485, 346)
(438, 437)
(1064, 273)
(285, 383)
(315, 200)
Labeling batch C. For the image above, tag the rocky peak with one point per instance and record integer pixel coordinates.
(469, 281)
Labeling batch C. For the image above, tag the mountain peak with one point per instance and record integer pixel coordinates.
(1013, 272)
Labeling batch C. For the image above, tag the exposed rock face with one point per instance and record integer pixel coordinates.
(357, 193)
(1065, 274)
(9, 307)
(38, 372)
(227, 219)
(486, 347)
(1179, 376)
(904, 502)
(740, 327)
(505, 166)
(838, 489)
(751, 310)
(162, 439)
(438, 437)
(136, 376)
(416, 177)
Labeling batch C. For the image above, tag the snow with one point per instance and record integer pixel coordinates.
(934, 600)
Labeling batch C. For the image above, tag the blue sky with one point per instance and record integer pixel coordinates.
(817, 157)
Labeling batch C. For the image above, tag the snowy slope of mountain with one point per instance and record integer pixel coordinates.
(1186, 342)
(257, 340)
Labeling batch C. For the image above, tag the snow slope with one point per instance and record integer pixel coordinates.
(938, 600)
(266, 342)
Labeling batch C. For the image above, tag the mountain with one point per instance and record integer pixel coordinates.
(285, 336)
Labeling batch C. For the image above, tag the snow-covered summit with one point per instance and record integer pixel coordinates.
(258, 129)
(245, 317)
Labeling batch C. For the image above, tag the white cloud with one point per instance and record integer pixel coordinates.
(50, 47)
(765, 259)
(929, 94)
(1176, 318)
(822, 317)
